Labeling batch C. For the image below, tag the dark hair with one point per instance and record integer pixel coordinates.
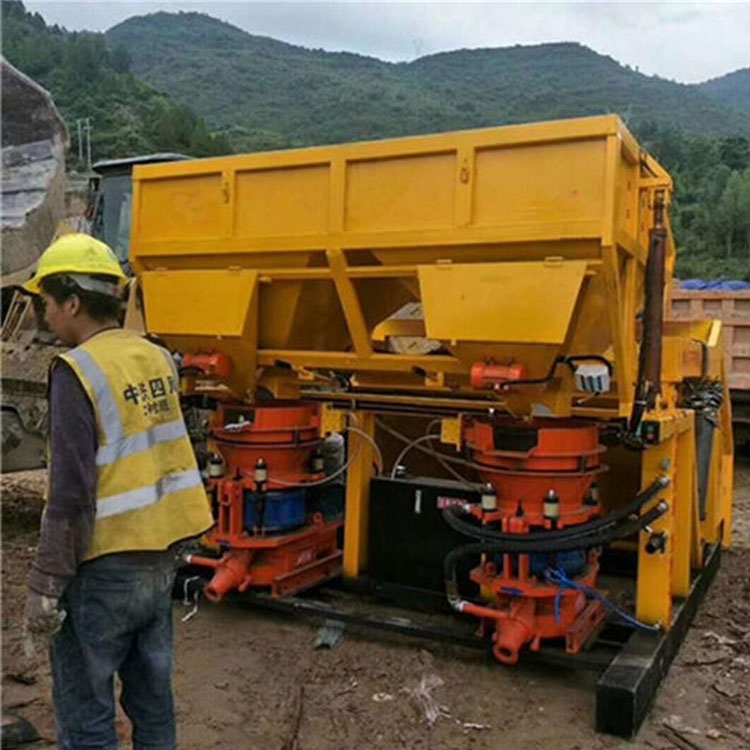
(98, 306)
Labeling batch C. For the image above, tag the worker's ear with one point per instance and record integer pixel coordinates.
(72, 305)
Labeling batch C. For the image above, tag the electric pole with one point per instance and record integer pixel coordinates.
(83, 126)
(80, 141)
(88, 142)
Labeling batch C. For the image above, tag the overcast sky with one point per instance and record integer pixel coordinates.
(686, 42)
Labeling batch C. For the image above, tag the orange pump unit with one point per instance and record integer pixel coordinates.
(261, 484)
(540, 476)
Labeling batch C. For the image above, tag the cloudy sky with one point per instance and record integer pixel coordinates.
(686, 42)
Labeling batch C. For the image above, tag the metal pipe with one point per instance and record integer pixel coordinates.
(231, 571)
(648, 385)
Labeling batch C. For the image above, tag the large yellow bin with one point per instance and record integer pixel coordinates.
(518, 243)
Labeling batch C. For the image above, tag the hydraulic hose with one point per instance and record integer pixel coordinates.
(564, 360)
(522, 546)
(648, 384)
(580, 532)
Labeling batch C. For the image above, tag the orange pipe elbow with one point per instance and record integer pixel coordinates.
(512, 631)
(510, 637)
(208, 562)
(231, 572)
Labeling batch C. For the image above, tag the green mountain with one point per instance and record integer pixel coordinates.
(163, 81)
(87, 78)
(268, 94)
(264, 93)
(732, 90)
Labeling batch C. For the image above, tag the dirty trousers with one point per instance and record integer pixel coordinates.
(119, 620)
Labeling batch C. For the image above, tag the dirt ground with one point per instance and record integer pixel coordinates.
(246, 679)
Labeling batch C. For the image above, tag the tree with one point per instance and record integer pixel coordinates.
(731, 217)
(735, 152)
(120, 59)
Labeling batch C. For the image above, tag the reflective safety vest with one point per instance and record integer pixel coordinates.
(149, 492)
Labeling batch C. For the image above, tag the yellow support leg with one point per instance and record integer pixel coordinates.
(357, 517)
(685, 508)
(718, 508)
(654, 584)
(727, 482)
(727, 463)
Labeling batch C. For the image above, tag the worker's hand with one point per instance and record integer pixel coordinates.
(41, 617)
(27, 662)
(41, 620)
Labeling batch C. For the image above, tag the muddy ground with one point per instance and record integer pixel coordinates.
(246, 679)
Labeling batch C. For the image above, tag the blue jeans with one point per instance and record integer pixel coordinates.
(119, 620)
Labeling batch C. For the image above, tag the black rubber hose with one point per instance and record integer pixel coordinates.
(450, 515)
(648, 382)
(563, 360)
(565, 545)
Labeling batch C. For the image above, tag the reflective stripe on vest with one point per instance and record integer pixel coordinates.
(105, 401)
(141, 441)
(143, 496)
(117, 446)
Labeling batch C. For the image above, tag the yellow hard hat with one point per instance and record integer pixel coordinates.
(75, 254)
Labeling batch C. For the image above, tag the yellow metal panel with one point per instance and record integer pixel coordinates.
(450, 431)
(686, 500)
(331, 420)
(726, 440)
(615, 282)
(350, 303)
(184, 208)
(198, 303)
(415, 192)
(345, 361)
(464, 185)
(507, 302)
(727, 482)
(718, 501)
(654, 585)
(514, 195)
(610, 193)
(357, 516)
(398, 327)
(626, 203)
(557, 181)
(289, 201)
(418, 245)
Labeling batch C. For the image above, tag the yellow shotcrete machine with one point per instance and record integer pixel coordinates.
(439, 370)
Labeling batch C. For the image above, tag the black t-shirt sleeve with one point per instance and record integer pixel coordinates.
(68, 520)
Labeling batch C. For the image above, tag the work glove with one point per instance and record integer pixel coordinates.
(27, 664)
(41, 620)
(41, 616)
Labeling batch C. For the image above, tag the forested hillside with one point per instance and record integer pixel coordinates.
(89, 79)
(732, 89)
(259, 93)
(268, 92)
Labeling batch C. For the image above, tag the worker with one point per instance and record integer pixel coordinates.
(123, 491)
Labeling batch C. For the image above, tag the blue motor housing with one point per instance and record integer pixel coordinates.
(571, 562)
(285, 509)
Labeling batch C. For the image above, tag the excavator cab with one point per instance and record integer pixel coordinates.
(108, 204)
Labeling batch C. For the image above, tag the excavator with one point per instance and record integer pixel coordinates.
(34, 142)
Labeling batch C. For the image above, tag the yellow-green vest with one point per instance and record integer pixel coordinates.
(149, 492)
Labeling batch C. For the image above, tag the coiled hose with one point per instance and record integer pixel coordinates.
(581, 531)
(517, 546)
